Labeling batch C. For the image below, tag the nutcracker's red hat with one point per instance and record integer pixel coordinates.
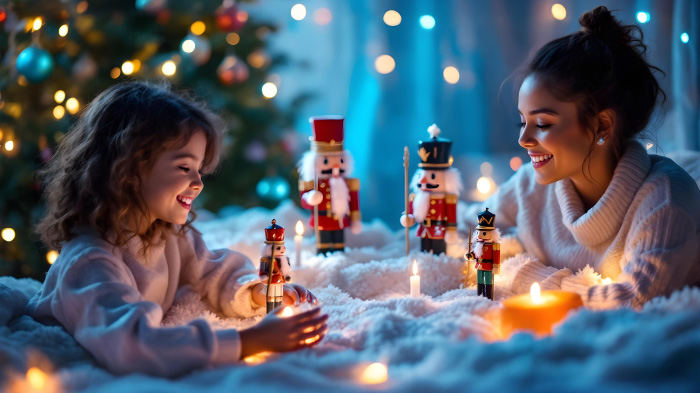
(274, 234)
(328, 134)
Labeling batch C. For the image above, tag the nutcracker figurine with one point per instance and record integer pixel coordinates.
(325, 188)
(436, 187)
(274, 265)
(487, 251)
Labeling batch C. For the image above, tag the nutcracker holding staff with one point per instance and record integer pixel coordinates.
(274, 265)
(436, 187)
(325, 188)
(487, 251)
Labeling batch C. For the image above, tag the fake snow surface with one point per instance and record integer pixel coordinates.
(442, 341)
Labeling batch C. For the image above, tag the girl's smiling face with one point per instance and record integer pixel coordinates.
(174, 181)
(550, 131)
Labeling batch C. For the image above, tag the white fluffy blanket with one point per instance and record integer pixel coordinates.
(439, 342)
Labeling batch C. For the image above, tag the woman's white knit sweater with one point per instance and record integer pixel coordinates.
(644, 232)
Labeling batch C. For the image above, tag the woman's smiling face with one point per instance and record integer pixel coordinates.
(550, 131)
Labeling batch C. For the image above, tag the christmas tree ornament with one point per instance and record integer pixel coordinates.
(487, 252)
(150, 6)
(232, 70)
(196, 48)
(229, 18)
(275, 268)
(85, 68)
(273, 188)
(324, 185)
(436, 187)
(35, 64)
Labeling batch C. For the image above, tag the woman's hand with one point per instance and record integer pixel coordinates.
(295, 294)
(277, 334)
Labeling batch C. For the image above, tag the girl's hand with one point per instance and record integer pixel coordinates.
(295, 294)
(277, 334)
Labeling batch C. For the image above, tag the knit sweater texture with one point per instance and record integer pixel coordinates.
(113, 299)
(643, 233)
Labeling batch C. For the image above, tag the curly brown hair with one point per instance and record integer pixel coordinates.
(94, 179)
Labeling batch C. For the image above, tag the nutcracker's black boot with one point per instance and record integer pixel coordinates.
(273, 305)
(481, 289)
(489, 291)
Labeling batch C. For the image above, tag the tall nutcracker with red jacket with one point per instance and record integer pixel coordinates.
(325, 188)
(487, 251)
(275, 268)
(436, 187)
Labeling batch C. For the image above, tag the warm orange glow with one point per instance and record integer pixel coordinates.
(299, 228)
(384, 64)
(257, 358)
(415, 268)
(535, 293)
(516, 163)
(392, 18)
(287, 312)
(607, 281)
(558, 12)
(198, 28)
(36, 378)
(51, 256)
(451, 75)
(375, 373)
(37, 24)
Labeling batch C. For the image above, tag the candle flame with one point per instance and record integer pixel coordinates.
(415, 268)
(607, 280)
(299, 228)
(535, 293)
(287, 312)
(374, 374)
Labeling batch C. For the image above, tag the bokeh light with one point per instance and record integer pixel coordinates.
(427, 22)
(115, 72)
(9, 145)
(198, 28)
(384, 64)
(451, 75)
(51, 256)
(375, 373)
(187, 47)
(233, 38)
(59, 96)
(516, 163)
(643, 17)
(8, 234)
(298, 12)
(37, 24)
(558, 12)
(323, 16)
(486, 168)
(484, 185)
(72, 105)
(128, 68)
(63, 30)
(269, 90)
(169, 68)
(392, 18)
(59, 111)
(685, 38)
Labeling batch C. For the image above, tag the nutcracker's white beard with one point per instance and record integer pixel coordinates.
(421, 204)
(340, 197)
(479, 246)
(266, 252)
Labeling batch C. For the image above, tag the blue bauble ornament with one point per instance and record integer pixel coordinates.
(35, 64)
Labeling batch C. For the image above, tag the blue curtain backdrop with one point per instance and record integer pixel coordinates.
(486, 41)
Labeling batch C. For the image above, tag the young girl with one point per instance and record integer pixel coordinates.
(593, 196)
(119, 193)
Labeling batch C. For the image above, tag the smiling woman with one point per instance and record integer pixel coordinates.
(593, 196)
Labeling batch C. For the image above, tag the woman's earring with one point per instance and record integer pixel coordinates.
(601, 141)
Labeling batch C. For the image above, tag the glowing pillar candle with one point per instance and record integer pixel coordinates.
(415, 281)
(537, 312)
(297, 241)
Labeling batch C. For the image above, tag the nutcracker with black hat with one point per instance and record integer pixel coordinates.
(436, 187)
(487, 252)
(324, 185)
(275, 268)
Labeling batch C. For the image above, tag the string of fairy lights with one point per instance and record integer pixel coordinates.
(197, 48)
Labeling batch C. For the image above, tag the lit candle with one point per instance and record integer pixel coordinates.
(536, 311)
(374, 374)
(297, 241)
(415, 281)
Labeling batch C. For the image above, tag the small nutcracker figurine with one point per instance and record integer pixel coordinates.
(436, 187)
(274, 265)
(325, 188)
(487, 251)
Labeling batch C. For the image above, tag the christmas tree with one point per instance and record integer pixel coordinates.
(59, 54)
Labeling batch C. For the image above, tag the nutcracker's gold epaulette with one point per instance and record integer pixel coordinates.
(451, 199)
(496, 246)
(306, 185)
(353, 184)
(411, 197)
